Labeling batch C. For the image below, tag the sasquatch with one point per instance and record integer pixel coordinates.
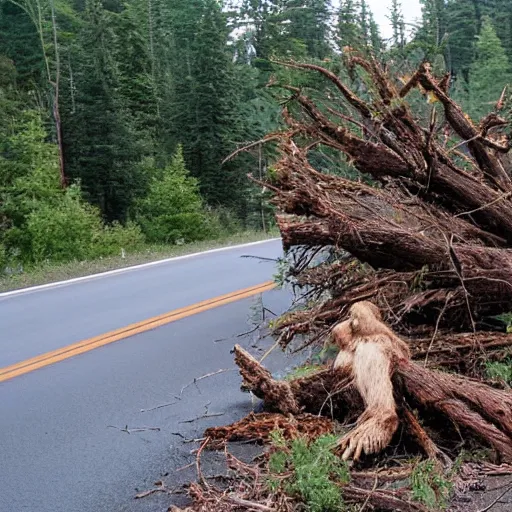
(368, 352)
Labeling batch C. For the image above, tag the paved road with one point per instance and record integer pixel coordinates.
(61, 444)
(35, 323)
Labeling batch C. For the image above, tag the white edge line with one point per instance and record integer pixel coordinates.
(130, 269)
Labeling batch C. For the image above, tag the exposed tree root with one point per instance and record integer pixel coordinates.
(475, 407)
(258, 427)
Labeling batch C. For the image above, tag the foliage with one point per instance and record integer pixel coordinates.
(42, 221)
(429, 486)
(501, 371)
(134, 80)
(316, 474)
(173, 210)
(489, 73)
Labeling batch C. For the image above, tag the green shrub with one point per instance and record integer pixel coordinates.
(173, 210)
(500, 371)
(71, 229)
(429, 486)
(63, 230)
(113, 239)
(316, 473)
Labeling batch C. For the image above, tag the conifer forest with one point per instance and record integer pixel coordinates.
(117, 116)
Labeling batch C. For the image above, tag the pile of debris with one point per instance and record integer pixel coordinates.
(430, 244)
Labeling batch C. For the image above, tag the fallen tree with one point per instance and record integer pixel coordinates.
(429, 243)
(432, 240)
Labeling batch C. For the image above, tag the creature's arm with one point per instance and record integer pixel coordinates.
(372, 376)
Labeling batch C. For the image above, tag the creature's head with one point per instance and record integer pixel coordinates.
(365, 319)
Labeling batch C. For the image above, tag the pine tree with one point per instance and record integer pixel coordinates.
(489, 73)
(396, 18)
(500, 13)
(349, 30)
(432, 32)
(375, 37)
(462, 27)
(133, 53)
(364, 20)
(101, 146)
(20, 42)
(309, 23)
(205, 99)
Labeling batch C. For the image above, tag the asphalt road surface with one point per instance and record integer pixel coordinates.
(64, 446)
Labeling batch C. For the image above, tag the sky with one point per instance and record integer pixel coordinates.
(380, 9)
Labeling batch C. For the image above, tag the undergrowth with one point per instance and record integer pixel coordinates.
(430, 487)
(500, 371)
(309, 471)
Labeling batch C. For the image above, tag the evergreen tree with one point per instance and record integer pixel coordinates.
(364, 20)
(101, 146)
(462, 26)
(500, 13)
(173, 210)
(489, 73)
(432, 34)
(375, 38)
(133, 54)
(396, 18)
(206, 99)
(20, 42)
(309, 22)
(349, 29)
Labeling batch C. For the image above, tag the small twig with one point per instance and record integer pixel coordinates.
(374, 488)
(205, 415)
(508, 489)
(441, 314)
(261, 258)
(241, 335)
(200, 477)
(462, 143)
(185, 440)
(160, 487)
(345, 385)
(130, 430)
(269, 351)
(193, 382)
(212, 415)
(160, 406)
(457, 267)
(484, 206)
(182, 468)
(276, 136)
(250, 504)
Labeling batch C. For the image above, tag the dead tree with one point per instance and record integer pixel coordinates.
(433, 240)
(430, 244)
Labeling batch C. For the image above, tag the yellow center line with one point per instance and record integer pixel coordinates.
(55, 356)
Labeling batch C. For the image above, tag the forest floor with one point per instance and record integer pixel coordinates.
(54, 272)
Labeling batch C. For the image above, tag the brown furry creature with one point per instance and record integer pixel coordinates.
(368, 349)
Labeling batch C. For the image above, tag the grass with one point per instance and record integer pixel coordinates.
(500, 371)
(430, 487)
(52, 272)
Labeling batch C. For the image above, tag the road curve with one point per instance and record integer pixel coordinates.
(62, 444)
